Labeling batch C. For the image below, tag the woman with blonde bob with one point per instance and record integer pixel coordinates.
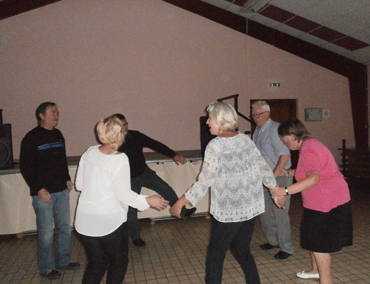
(235, 170)
(103, 177)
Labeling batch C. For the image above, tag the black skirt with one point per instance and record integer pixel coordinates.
(327, 231)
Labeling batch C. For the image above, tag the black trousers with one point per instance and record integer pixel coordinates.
(107, 253)
(238, 237)
(151, 180)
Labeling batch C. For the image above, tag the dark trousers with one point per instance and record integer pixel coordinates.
(151, 180)
(238, 237)
(107, 253)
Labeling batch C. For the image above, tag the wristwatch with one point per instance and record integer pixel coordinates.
(286, 191)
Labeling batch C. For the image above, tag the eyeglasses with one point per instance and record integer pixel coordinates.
(257, 115)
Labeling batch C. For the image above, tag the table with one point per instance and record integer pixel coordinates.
(17, 214)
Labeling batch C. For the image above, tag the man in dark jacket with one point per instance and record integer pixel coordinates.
(143, 176)
(43, 164)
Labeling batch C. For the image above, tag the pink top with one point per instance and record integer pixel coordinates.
(332, 190)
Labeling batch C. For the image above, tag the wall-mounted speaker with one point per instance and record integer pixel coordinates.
(205, 135)
(6, 147)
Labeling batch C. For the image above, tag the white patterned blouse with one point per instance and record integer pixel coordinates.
(235, 170)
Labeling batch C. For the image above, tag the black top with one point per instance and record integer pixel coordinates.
(43, 160)
(133, 146)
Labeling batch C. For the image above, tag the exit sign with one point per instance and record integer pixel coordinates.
(274, 84)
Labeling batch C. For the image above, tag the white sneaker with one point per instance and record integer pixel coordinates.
(305, 275)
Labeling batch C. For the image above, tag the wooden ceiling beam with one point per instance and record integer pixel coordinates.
(9, 8)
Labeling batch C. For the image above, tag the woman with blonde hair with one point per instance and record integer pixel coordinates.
(103, 177)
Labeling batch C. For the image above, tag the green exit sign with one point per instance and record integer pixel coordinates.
(274, 84)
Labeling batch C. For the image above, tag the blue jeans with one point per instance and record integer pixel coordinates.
(237, 236)
(106, 253)
(151, 180)
(49, 215)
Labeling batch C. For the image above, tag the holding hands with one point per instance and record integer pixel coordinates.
(157, 202)
(279, 201)
(286, 173)
(278, 195)
(277, 191)
(177, 207)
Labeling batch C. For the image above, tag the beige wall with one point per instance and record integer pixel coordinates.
(157, 64)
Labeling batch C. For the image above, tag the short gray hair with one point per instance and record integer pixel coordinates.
(225, 115)
(265, 106)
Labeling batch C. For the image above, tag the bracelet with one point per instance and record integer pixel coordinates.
(286, 191)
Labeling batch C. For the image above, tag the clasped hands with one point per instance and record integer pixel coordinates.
(157, 202)
(283, 172)
(278, 195)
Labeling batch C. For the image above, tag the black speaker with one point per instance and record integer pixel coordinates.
(6, 147)
(205, 135)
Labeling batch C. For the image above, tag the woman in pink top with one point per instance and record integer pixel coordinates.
(327, 217)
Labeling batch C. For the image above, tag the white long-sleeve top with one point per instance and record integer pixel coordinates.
(235, 170)
(104, 182)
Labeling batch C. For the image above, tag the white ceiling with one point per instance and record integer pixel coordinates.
(348, 17)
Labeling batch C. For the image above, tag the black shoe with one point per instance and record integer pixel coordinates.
(267, 246)
(70, 266)
(139, 242)
(186, 213)
(51, 274)
(282, 255)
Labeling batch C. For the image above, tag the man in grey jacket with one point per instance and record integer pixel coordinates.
(275, 222)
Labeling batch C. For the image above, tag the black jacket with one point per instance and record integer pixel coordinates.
(133, 146)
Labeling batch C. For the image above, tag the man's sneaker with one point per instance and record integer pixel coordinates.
(70, 266)
(51, 274)
(186, 213)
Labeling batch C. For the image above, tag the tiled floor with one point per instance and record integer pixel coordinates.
(176, 250)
